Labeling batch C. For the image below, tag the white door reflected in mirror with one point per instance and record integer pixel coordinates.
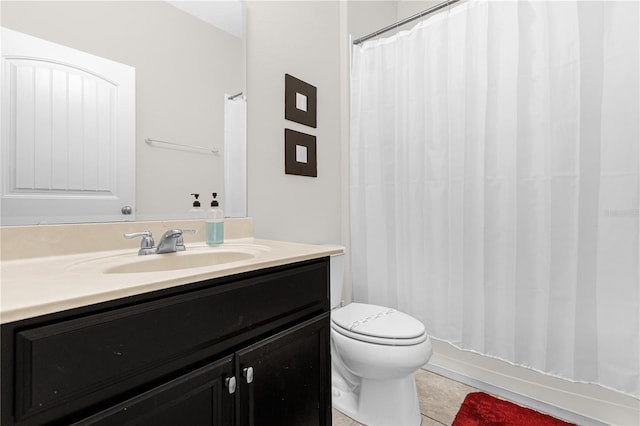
(69, 153)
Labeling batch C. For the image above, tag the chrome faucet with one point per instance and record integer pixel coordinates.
(170, 242)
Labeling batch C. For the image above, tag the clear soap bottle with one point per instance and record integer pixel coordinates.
(196, 212)
(215, 223)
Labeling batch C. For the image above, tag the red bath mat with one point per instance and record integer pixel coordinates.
(481, 409)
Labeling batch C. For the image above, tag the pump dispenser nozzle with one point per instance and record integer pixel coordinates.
(195, 212)
(196, 203)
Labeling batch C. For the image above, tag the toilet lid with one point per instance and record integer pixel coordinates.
(377, 321)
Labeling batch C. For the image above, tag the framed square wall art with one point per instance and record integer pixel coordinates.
(299, 101)
(300, 154)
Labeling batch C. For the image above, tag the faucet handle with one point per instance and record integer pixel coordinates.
(180, 242)
(146, 244)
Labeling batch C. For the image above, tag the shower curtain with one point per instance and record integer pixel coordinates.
(495, 183)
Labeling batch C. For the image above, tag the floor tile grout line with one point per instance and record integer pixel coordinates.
(435, 420)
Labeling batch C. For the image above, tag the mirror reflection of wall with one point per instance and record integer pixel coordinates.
(184, 67)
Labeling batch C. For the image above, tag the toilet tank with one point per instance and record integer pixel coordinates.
(336, 263)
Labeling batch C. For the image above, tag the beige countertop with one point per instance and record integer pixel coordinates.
(34, 286)
(38, 286)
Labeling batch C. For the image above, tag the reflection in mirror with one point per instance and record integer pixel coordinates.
(235, 155)
(184, 67)
(68, 147)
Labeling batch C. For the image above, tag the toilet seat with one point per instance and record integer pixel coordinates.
(377, 324)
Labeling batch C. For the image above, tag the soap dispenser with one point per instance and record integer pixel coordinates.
(215, 223)
(196, 212)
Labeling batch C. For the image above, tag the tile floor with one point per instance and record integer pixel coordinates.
(440, 398)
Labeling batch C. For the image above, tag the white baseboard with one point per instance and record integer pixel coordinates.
(580, 403)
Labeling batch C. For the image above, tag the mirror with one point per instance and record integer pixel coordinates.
(185, 70)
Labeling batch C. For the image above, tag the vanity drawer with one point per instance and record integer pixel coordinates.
(82, 364)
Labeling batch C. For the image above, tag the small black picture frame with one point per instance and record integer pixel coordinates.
(300, 154)
(299, 101)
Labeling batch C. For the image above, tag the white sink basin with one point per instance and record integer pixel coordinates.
(193, 257)
(182, 260)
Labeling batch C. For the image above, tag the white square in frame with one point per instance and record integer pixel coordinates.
(301, 102)
(301, 154)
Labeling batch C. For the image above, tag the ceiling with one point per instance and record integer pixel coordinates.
(223, 14)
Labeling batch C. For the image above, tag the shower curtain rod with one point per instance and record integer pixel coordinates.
(406, 20)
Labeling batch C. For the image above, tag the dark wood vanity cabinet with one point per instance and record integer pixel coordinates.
(251, 349)
(291, 383)
(200, 397)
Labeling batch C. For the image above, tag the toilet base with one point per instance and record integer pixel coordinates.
(380, 402)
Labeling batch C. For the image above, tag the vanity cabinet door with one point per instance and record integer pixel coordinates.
(286, 379)
(201, 397)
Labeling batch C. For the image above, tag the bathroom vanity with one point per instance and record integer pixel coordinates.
(236, 348)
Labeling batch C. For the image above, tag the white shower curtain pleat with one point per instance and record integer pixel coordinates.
(617, 267)
(495, 183)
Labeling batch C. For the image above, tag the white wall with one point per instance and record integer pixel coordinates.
(183, 67)
(408, 8)
(368, 16)
(300, 39)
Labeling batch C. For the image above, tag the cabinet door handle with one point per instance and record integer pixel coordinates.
(248, 374)
(230, 383)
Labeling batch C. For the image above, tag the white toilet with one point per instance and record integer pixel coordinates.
(375, 352)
